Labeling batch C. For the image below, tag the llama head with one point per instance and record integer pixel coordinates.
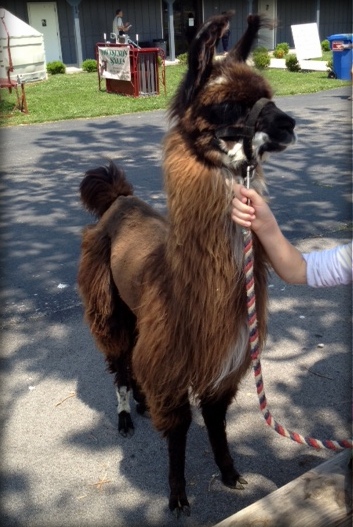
(217, 98)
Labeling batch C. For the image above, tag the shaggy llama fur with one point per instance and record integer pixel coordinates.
(165, 298)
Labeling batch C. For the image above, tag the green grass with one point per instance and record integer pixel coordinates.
(72, 96)
(76, 95)
(326, 56)
(286, 82)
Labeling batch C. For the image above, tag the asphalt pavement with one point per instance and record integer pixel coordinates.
(63, 463)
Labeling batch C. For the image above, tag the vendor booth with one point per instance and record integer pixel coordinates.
(130, 70)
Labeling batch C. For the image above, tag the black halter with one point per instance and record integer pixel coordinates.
(249, 129)
(246, 131)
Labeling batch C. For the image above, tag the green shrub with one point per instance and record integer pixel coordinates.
(89, 65)
(259, 49)
(292, 63)
(325, 45)
(261, 60)
(279, 53)
(183, 58)
(330, 73)
(56, 67)
(282, 46)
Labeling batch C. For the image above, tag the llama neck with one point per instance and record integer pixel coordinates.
(204, 259)
(202, 235)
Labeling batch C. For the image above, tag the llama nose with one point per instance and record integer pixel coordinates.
(276, 121)
(291, 123)
(285, 122)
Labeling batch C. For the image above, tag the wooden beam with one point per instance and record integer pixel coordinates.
(321, 497)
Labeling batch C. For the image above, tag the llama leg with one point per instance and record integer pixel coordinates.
(121, 370)
(125, 424)
(214, 414)
(176, 438)
(139, 396)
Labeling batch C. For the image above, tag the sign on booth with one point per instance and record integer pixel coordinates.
(114, 63)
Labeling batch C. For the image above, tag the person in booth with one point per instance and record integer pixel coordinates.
(119, 28)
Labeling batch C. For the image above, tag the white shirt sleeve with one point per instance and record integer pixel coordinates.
(330, 267)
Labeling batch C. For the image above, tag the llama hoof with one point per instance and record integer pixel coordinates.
(181, 510)
(242, 480)
(179, 506)
(235, 481)
(142, 409)
(125, 424)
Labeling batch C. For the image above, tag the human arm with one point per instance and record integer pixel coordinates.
(287, 261)
(324, 268)
(123, 27)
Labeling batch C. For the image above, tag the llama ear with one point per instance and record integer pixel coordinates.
(200, 59)
(241, 50)
(203, 48)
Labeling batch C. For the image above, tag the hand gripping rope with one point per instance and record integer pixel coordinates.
(255, 352)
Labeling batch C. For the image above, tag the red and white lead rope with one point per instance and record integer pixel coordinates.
(255, 354)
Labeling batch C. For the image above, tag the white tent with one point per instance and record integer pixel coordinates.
(21, 47)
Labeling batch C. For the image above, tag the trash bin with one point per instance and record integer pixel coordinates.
(146, 44)
(161, 44)
(342, 56)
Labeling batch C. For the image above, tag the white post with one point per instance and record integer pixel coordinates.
(78, 43)
(171, 30)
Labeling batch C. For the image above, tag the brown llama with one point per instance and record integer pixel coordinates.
(165, 298)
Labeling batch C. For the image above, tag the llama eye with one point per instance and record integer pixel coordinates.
(231, 138)
(230, 134)
(226, 113)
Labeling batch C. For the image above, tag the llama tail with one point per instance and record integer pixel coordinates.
(102, 186)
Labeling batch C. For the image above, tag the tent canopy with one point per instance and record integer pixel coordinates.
(21, 49)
